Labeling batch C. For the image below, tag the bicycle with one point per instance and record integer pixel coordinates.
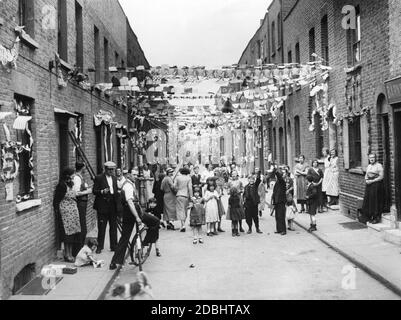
(137, 253)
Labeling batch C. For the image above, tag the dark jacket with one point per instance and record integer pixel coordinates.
(102, 200)
(279, 192)
(251, 194)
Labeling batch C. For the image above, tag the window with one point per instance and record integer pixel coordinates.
(26, 16)
(297, 129)
(79, 45)
(282, 146)
(274, 144)
(325, 40)
(319, 136)
(355, 151)
(24, 137)
(64, 151)
(312, 47)
(79, 125)
(273, 38)
(99, 148)
(97, 55)
(62, 30)
(116, 57)
(222, 147)
(354, 41)
(279, 30)
(106, 59)
(297, 53)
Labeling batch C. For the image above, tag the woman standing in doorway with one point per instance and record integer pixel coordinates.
(326, 158)
(66, 209)
(169, 211)
(333, 188)
(149, 180)
(300, 172)
(372, 208)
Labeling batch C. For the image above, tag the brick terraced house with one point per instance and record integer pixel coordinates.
(360, 40)
(40, 103)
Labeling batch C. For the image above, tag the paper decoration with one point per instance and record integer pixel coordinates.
(105, 117)
(8, 57)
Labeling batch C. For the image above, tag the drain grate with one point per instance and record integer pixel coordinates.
(353, 225)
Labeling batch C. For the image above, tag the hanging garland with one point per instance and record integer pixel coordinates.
(8, 57)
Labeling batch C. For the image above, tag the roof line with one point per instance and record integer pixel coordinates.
(257, 31)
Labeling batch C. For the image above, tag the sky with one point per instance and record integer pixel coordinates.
(211, 33)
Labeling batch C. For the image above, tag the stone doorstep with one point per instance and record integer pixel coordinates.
(393, 236)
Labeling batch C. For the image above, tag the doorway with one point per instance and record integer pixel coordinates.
(64, 153)
(397, 158)
(384, 154)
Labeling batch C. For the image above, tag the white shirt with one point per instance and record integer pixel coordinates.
(82, 258)
(128, 189)
(110, 182)
(77, 184)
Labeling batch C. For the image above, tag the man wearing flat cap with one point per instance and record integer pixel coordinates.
(106, 204)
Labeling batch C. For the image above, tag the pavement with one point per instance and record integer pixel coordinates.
(256, 267)
(87, 284)
(362, 246)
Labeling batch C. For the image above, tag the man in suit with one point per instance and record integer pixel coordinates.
(106, 203)
(279, 199)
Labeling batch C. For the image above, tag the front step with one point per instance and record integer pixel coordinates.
(386, 224)
(379, 227)
(392, 236)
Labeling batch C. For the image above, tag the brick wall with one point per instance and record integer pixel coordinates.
(302, 15)
(29, 236)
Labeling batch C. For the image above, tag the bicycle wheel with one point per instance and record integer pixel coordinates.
(137, 253)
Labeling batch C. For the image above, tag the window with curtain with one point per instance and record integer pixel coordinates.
(355, 150)
(354, 41)
(26, 16)
(325, 40)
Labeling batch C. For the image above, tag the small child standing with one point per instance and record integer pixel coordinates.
(291, 211)
(312, 201)
(211, 209)
(151, 209)
(85, 256)
(235, 211)
(197, 216)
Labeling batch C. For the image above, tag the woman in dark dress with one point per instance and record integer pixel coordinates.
(317, 176)
(373, 206)
(159, 196)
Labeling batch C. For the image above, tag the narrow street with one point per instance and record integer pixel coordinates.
(252, 267)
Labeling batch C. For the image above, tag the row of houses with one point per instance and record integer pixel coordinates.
(360, 41)
(50, 87)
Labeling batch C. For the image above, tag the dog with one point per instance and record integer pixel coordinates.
(138, 290)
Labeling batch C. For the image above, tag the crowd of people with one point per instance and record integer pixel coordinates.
(194, 193)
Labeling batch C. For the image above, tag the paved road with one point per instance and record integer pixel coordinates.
(255, 267)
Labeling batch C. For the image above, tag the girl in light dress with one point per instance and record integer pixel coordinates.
(212, 209)
(291, 211)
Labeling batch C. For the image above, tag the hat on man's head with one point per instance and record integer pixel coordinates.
(110, 164)
(169, 170)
